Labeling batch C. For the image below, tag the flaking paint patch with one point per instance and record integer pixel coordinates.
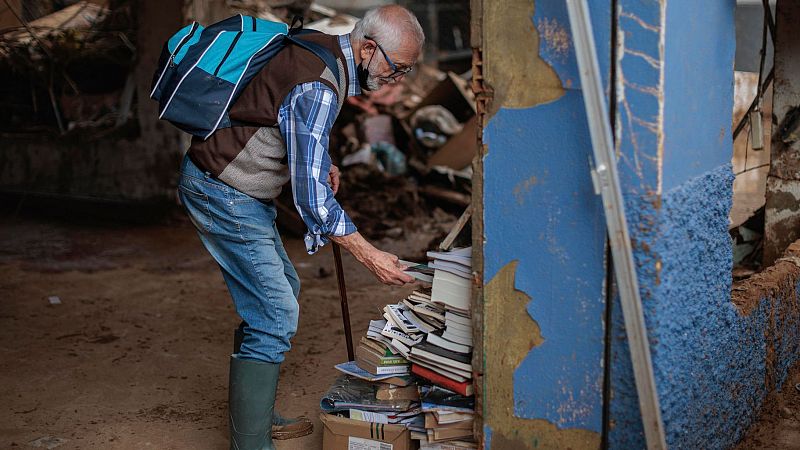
(522, 188)
(515, 71)
(556, 38)
(513, 334)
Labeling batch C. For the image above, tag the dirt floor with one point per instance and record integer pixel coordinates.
(136, 355)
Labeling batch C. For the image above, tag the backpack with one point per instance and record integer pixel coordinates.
(202, 71)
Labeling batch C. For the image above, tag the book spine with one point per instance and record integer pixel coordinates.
(392, 370)
(441, 380)
(380, 360)
(393, 362)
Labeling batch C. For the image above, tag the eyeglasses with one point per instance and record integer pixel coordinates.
(397, 72)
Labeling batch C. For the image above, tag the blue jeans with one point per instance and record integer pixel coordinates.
(240, 233)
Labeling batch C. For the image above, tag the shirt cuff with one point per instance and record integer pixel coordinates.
(338, 224)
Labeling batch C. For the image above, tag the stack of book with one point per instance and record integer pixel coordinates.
(443, 315)
(441, 355)
(449, 419)
(387, 399)
(422, 346)
(376, 355)
(392, 397)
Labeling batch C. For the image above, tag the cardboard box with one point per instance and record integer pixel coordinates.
(340, 433)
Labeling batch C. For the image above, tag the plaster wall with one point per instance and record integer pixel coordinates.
(715, 357)
(712, 359)
(544, 233)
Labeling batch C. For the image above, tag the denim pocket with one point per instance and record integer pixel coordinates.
(196, 205)
(256, 220)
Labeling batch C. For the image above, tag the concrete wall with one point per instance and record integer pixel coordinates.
(134, 166)
(782, 214)
(541, 234)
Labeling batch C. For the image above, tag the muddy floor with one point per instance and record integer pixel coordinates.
(136, 354)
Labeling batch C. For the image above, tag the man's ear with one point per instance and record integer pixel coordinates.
(367, 49)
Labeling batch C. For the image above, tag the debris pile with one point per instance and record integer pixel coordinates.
(413, 369)
(748, 246)
(70, 70)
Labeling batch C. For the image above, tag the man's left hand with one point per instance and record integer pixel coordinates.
(333, 179)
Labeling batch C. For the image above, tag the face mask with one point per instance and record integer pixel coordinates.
(363, 77)
(366, 80)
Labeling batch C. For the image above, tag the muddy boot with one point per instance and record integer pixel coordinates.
(282, 427)
(289, 428)
(251, 398)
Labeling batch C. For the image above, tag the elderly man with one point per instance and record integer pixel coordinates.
(284, 117)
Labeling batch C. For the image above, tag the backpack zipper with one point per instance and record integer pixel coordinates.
(187, 74)
(180, 45)
(171, 64)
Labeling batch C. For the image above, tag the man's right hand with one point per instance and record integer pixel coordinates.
(386, 268)
(383, 265)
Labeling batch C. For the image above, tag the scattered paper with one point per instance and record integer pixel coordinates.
(47, 441)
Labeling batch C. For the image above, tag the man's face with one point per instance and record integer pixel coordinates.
(386, 67)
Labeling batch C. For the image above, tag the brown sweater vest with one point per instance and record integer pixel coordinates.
(252, 157)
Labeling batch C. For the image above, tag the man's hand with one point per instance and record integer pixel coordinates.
(386, 268)
(383, 265)
(333, 179)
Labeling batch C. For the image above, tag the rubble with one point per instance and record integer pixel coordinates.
(70, 70)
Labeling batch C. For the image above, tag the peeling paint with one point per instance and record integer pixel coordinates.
(514, 70)
(513, 334)
(782, 220)
(540, 209)
(556, 38)
(521, 189)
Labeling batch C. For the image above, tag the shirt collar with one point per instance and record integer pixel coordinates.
(353, 88)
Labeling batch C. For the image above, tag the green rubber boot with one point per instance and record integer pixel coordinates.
(251, 399)
(282, 427)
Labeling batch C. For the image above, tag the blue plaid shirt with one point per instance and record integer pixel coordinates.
(305, 119)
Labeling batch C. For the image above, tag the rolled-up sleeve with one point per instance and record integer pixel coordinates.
(305, 120)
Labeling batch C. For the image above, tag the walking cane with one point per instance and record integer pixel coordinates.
(348, 335)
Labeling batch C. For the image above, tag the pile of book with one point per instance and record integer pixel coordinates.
(442, 352)
(421, 347)
(449, 419)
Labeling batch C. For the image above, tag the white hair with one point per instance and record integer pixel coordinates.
(390, 26)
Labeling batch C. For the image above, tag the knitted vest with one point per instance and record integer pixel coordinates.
(251, 156)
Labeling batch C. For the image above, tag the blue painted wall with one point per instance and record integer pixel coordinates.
(700, 46)
(674, 98)
(709, 360)
(540, 209)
